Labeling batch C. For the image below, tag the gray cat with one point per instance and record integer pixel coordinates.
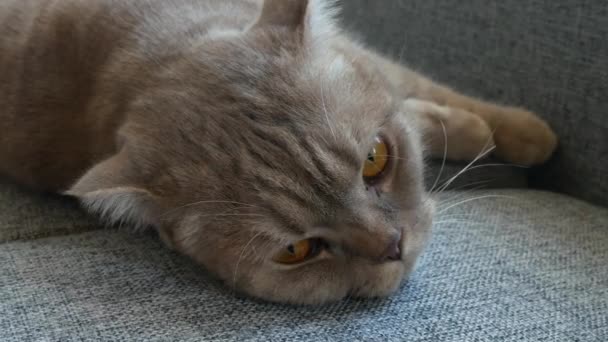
(256, 137)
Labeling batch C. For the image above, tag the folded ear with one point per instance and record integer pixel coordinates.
(111, 190)
(314, 18)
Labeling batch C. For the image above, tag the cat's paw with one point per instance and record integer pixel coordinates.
(474, 136)
(523, 138)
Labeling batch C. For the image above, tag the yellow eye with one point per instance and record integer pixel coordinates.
(377, 159)
(298, 252)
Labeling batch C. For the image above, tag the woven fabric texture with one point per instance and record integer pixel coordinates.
(26, 215)
(549, 56)
(516, 265)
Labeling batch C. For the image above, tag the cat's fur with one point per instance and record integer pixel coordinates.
(235, 131)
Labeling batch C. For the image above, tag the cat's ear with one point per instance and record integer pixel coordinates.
(110, 189)
(314, 18)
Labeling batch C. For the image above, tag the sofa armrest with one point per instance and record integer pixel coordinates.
(548, 56)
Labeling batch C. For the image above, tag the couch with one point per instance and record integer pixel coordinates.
(516, 255)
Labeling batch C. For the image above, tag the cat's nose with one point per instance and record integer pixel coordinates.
(393, 251)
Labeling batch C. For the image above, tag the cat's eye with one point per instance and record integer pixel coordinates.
(299, 252)
(377, 159)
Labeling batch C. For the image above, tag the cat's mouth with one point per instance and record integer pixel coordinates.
(394, 251)
(402, 245)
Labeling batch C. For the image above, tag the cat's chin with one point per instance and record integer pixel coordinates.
(359, 279)
(325, 284)
(366, 280)
(385, 279)
(382, 280)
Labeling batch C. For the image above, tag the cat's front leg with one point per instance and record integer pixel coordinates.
(450, 133)
(521, 137)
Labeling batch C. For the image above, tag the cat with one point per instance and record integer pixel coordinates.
(257, 137)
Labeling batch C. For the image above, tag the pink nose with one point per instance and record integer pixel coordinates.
(393, 251)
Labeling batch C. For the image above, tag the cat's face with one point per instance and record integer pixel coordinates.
(282, 165)
(308, 187)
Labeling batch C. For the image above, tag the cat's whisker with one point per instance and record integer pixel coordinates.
(459, 218)
(471, 186)
(465, 169)
(265, 246)
(480, 184)
(455, 221)
(445, 155)
(475, 199)
(245, 205)
(225, 214)
(391, 156)
(459, 193)
(499, 164)
(238, 262)
(464, 189)
(215, 217)
(454, 217)
(453, 199)
(485, 151)
(442, 222)
(325, 111)
(444, 216)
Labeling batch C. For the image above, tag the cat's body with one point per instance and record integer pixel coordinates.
(70, 67)
(236, 134)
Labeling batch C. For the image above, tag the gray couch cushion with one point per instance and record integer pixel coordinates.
(549, 56)
(25, 215)
(513, 266)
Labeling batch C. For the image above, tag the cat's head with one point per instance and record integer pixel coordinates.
(278, 159)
